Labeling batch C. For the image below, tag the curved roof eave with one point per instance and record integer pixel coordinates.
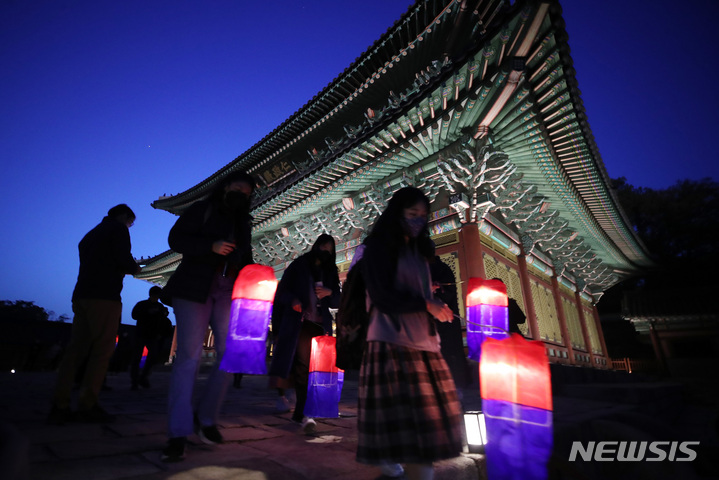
(407, 40)
(578, 183)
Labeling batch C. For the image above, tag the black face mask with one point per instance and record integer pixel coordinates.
(236, 201)
(324, 257)
(413, 226)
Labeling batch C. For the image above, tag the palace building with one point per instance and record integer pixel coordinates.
(476, 103)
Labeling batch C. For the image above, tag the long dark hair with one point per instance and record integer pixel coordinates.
(388, 229)
(322, 240)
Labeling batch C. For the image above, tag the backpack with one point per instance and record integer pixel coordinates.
(352, 320)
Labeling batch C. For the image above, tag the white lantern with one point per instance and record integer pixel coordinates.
(476, 431)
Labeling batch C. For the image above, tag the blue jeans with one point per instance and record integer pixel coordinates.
(193, 319)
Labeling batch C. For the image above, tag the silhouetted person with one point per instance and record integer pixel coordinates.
(105, 259)
(444, 288)
(516, 316)
(515, 313)
(309, 287)
(213, 236)
(151, 329)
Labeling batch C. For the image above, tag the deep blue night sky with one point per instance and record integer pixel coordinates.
(122, 102)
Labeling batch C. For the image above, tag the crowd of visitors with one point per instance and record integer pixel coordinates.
(412, 368)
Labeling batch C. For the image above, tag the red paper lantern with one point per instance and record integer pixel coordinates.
(516, 392)
(487, 314)
(252, 298)
(255, 282)
(324, 387)
(143, 359)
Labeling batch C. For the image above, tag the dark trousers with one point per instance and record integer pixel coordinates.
(301, 365)
(94, 329)
(154, 346)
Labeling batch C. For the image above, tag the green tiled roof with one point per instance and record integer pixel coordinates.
(436, 80)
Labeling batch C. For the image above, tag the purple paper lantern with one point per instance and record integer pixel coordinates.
(252, 297)
(516, 394)
(487, 314)
(325, 381)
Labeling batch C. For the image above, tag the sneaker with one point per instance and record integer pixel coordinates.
(209, 435)
(95, 414)
(58, 416)
(309, 426)
(283, 405)
(174, 451)
(392, 470)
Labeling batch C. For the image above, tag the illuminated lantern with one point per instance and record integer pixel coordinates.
(325, 382)
(476, 431)
(487, 314)
(516, 394)
(252, 297)
(143, 359)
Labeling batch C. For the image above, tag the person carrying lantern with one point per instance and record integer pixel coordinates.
(450, 333)
(309, 287)
(152, 328)
(213, 236)
(409, 412)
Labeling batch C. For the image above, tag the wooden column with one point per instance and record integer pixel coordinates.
(562, 319)
(583, 323)
(527, 297)
(659, 352)
(470, 254)
(600, 333)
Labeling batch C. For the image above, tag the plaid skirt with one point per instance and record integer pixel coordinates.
(409, 411)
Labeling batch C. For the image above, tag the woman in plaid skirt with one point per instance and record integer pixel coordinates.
(409, 412)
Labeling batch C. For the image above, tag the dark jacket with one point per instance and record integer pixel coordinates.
(201, 225)
(105, 259)
(298, 282)
(379, 271)
(450, 333)
(516, 316)
(152, 321)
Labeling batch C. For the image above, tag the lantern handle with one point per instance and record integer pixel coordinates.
(444, 284)
(482, 325)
